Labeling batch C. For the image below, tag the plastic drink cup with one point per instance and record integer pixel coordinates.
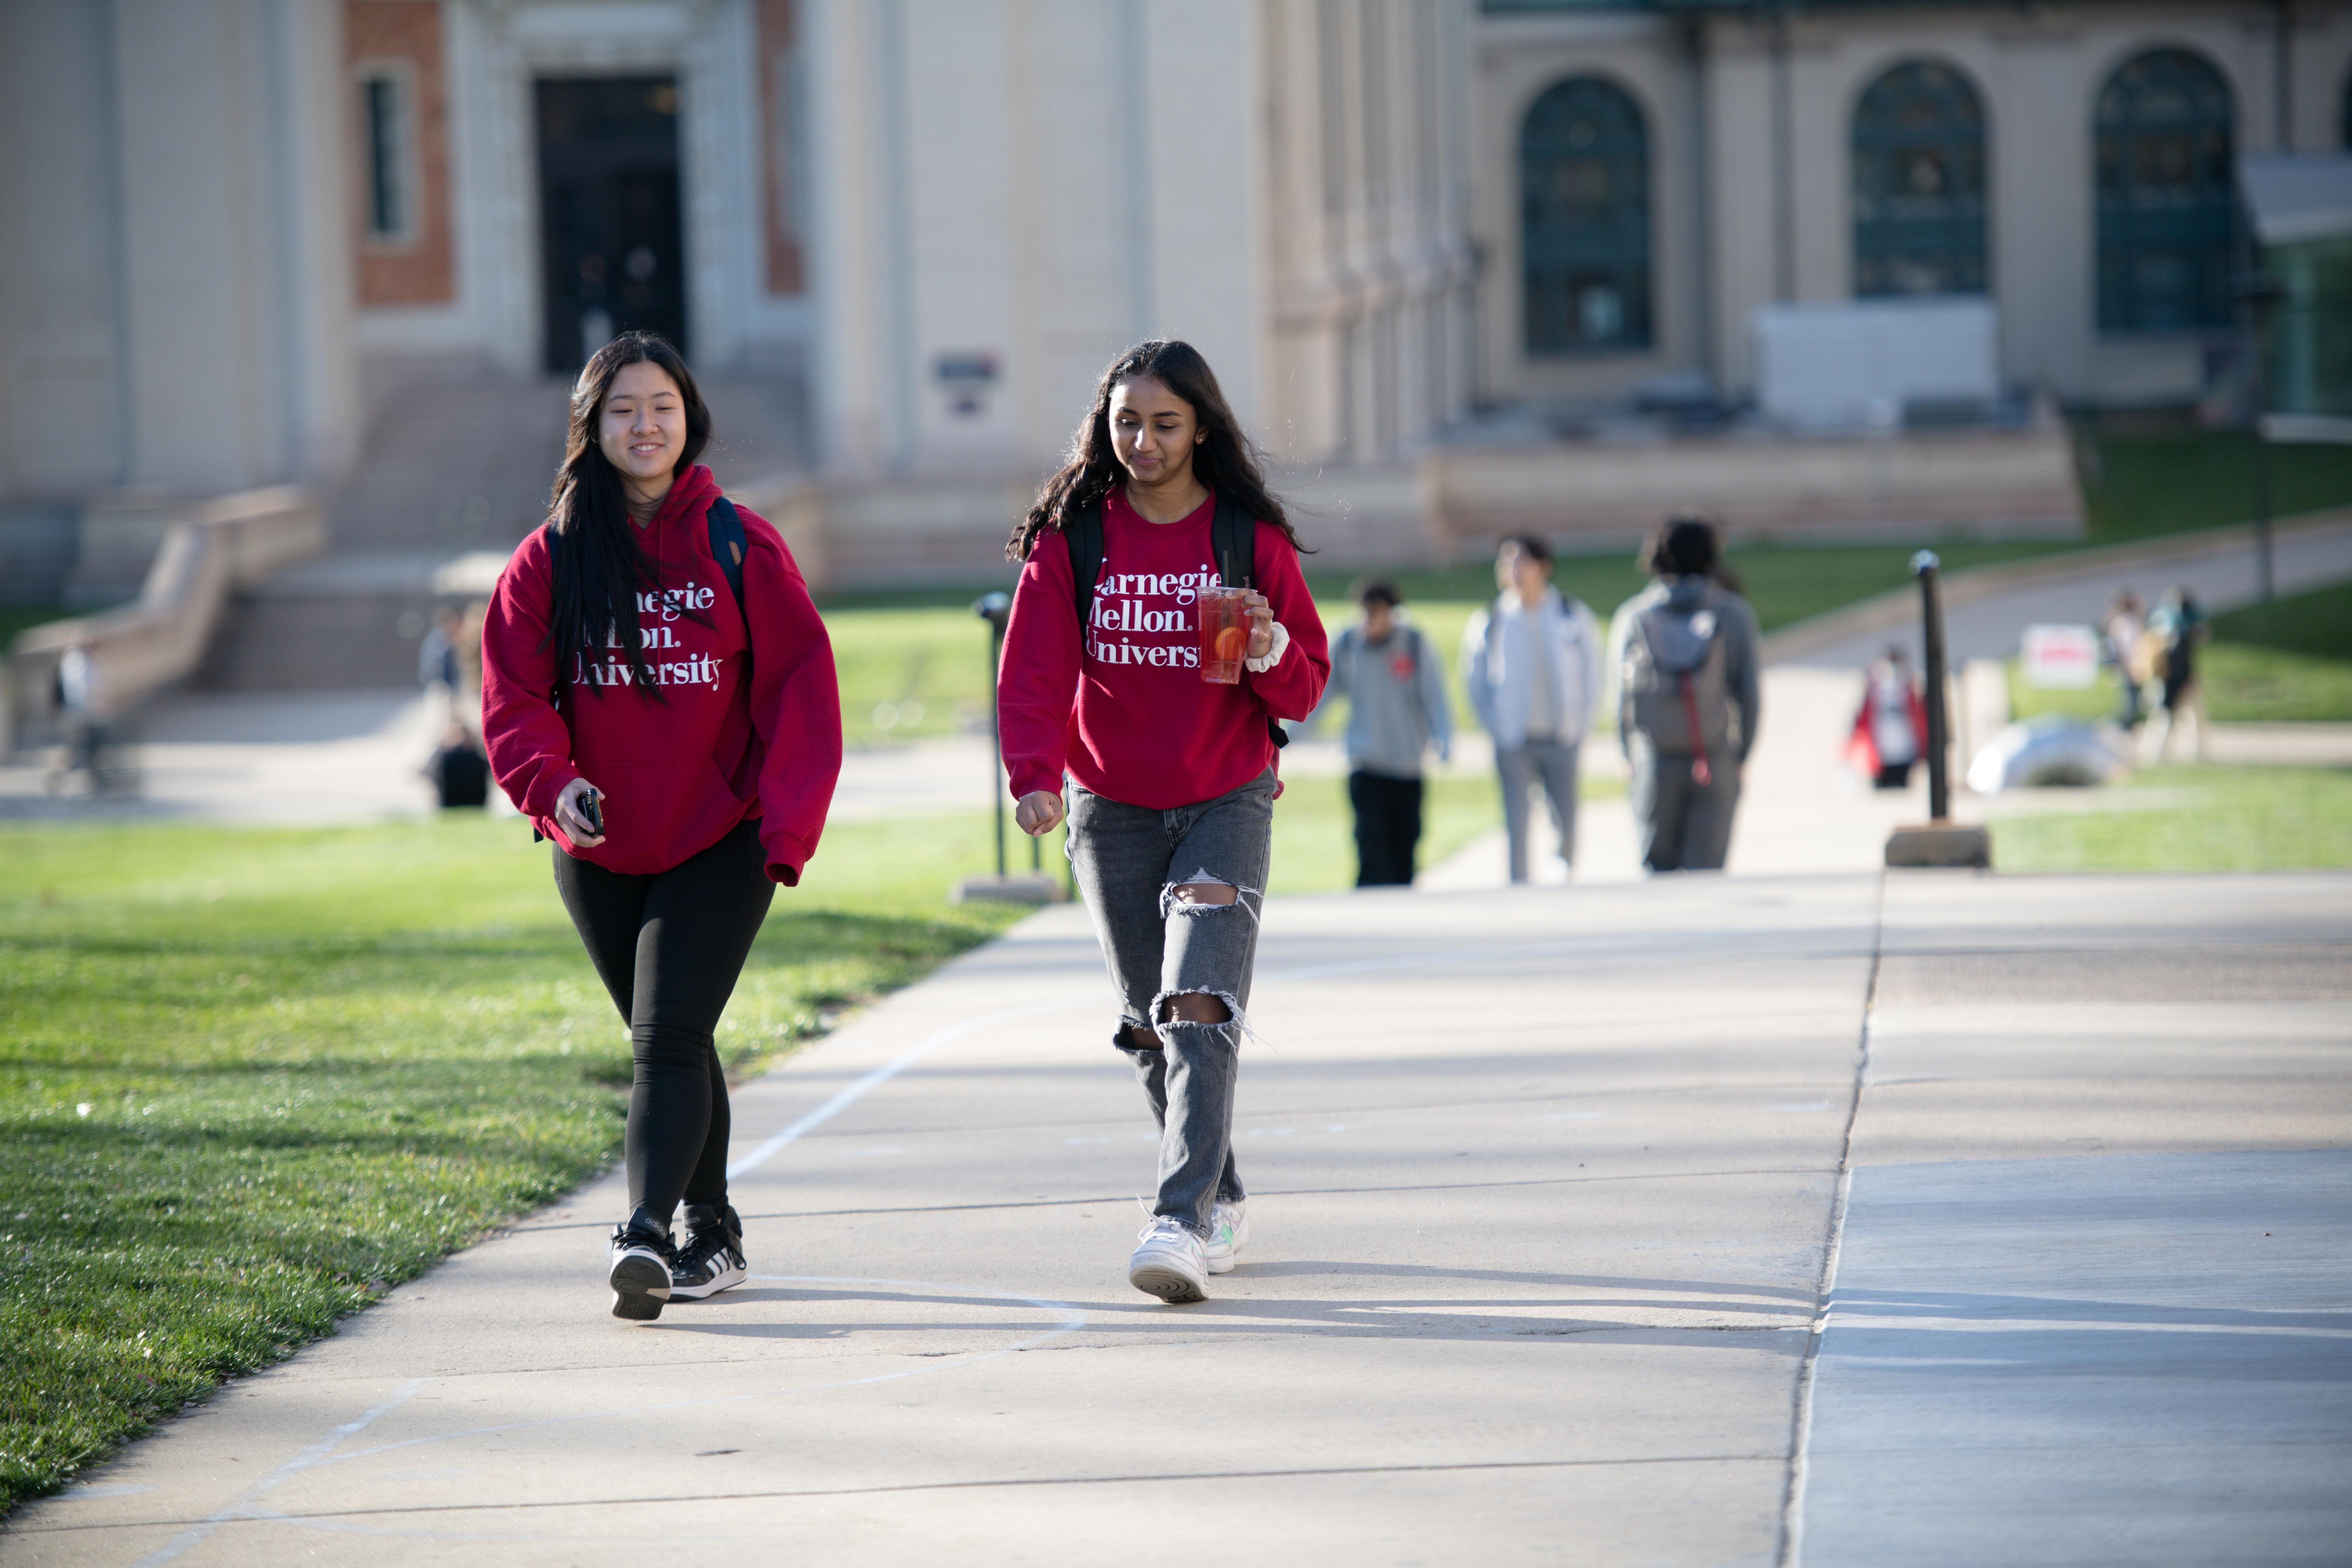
(1224, 634)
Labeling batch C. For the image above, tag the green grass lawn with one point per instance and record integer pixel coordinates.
(2233, 819)
(2283, 661)
(251, 1077)
(2138, 486)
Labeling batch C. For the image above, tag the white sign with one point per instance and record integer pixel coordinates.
(2060, 656)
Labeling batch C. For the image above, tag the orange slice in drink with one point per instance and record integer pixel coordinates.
(1232, 642)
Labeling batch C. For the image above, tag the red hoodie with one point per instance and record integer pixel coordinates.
(1128, 714)
(727, 743)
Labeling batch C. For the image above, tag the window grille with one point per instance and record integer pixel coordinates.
(1584, 182)
(1920, 184)
(2167, 203)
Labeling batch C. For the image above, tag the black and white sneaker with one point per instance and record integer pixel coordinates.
(640, 1271)
(712, 1259)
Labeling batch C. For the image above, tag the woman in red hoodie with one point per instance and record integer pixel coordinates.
(1169, 776)
(671, 720)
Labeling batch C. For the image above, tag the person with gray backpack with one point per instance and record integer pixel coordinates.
(1684, 649)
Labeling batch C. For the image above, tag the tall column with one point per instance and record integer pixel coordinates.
(236, 262)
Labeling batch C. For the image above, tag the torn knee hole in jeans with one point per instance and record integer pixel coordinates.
(1201, 894)
(1163, 1008)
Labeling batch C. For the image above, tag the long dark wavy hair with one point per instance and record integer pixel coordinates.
(1224, 460)
(599, 566)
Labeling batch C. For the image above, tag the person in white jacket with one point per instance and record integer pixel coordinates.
(1532, 664)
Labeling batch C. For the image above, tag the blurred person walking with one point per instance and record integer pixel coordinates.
(85, 700)
(2121, 636)
(1394, 686)
(1890, 732)
(436, 660)
(659, 697)
(1685, 653)
(2176, 630)
(1112, 715)
(1531, 665)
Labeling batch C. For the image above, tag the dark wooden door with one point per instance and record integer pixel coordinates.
(610, 234)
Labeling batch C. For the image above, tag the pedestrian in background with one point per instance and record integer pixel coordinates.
(659, 699)
(1531, 665)
(1106, 694)
(2120, 635)
(1685, 653)
(2176, 630)
(85, 707)
(1395, 686)
(436, 657)
(1890, 733)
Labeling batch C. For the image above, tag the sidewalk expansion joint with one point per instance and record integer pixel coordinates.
(1792, 1512)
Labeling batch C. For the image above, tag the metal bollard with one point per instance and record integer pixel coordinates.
(1939, 842)
(994, 608)
(1036, 888)
(1925, 566)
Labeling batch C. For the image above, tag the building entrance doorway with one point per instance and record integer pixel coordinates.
(608, 200)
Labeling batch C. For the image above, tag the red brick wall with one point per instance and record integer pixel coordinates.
(421, 269)
(777, 23)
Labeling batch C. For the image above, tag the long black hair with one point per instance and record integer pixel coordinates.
(599, 568)
(1224, 460)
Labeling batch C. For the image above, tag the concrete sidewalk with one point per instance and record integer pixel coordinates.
(1928, 1219)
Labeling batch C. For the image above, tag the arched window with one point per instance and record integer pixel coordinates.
(1584, 199)
(1920, 184)
(2167, 217)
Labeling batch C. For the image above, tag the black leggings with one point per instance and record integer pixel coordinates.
(668, 947)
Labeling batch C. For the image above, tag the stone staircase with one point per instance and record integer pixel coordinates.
(455, 462)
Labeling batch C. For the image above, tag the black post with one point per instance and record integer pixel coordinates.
(1924, 565)
(993, 608)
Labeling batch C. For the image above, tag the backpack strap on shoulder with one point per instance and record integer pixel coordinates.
(727, 544)
(1233, 538)
(1084, 535)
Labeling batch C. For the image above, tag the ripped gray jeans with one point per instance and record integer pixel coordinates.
(1129, 860)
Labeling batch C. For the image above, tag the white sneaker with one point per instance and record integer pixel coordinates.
(1228, 1228)
(1169, 1263)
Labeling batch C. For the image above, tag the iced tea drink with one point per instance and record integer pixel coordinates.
(1224, 634)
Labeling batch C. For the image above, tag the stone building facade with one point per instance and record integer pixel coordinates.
(246, 219)
(2072, 160)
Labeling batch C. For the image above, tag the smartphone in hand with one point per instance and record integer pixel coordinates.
(591, 811)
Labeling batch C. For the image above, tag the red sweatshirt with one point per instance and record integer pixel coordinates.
(1127, 714)
(730, 743)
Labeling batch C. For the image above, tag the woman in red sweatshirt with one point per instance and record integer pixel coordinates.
(671, 722)
(1169, 777)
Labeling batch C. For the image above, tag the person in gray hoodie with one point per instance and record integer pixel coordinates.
(1531, 665)
(1394, 685)
(1686, 654)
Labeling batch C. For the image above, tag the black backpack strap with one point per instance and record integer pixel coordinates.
(1084, 535)
(1233, 538)
(727, 544)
